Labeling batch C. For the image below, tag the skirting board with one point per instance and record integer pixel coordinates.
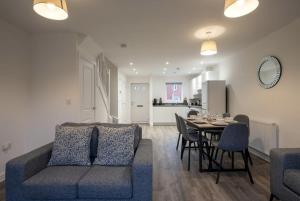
(164, 124)
(259, 154)
(2, 177)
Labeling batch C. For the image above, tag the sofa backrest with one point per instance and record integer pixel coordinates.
(95, 134)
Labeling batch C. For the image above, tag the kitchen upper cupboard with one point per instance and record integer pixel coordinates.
(196, 84)
(214, 97)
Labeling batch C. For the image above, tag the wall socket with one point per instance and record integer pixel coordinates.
(6, 146)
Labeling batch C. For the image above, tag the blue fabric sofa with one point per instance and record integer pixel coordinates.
(29, 178)
(285, 174)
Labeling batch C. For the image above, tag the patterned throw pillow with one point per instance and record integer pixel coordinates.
(115, 146)
(71, 146)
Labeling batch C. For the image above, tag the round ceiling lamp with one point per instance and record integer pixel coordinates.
(209, 47)
(51, 9)
(238, 8)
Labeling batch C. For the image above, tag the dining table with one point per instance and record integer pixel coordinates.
(204, 126)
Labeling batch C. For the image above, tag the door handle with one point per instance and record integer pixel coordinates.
(140, 106)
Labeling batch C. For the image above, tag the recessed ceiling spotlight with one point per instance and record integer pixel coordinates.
(167, 63)
(215, 31)
(131, 63)
(123, 45)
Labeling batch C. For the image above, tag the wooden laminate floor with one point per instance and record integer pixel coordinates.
(172, 181)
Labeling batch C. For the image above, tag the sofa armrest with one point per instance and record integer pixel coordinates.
(21, 168)
(282, 159)
(142, 169)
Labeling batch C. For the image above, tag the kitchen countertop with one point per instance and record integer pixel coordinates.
(170, 105)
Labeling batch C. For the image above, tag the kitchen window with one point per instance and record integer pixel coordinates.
(174, 92)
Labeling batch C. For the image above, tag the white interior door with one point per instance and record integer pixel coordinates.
(87, 89)
(140, 103)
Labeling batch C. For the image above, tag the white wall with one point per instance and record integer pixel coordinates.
(123, 101)
(14, 90)
(279, 104)
(159, 86)
(54, 80)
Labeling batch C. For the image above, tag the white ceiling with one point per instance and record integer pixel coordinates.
(157, 31)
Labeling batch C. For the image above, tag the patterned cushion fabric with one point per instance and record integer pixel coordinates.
(71, 146)
(115, 146)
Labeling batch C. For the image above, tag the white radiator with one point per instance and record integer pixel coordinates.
(263, 137)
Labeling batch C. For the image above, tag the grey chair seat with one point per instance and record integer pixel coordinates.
(194, 137)
(54, 182)
(291, 180)
(106, 182)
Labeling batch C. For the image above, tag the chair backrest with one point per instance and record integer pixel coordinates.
(226, 115)
(183, 128)
(177, 123)
(241, 118)
(235, 137)
(192, 112)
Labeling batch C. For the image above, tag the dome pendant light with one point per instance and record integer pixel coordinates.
(209, 47)
(238, 8)
(51, 9)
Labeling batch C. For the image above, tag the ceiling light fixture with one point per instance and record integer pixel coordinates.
(209, 47)
(51, 9)
(131, 63)
(136, 72)
(238, 8)
(167, 63)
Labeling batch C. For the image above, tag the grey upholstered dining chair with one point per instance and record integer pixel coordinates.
(178, 129)
(235, 138)
(192, 112)
(190, 137)
(241, 118)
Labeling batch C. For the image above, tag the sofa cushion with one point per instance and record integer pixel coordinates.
(94, 137)
(71, 146)
(115, 146)
(137, 132)
(291, 180)
(55, 182)
(106, 182)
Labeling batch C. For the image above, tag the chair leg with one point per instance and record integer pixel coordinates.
(249, 157)
(232, 160)
(189, 158)
(272, 197)
(216, 154)
(178, 141)
(183, 142)
(247, 167)
(220, 168)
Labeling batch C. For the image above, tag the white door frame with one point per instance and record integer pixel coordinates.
(83, 117)
(148, 100)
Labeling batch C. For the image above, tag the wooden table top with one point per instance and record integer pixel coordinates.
(204, 124)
